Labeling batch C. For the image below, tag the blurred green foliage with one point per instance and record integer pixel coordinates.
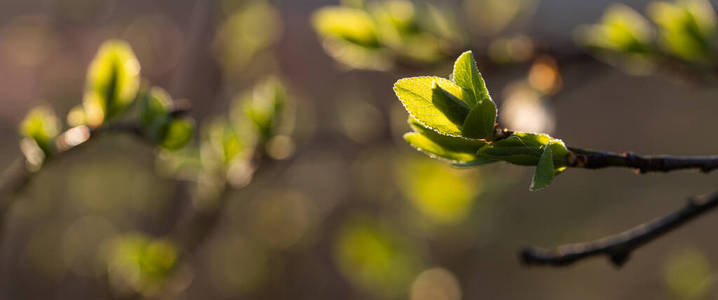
(454, 120)
(686, 35)
(112, 88)
(113, 80)
(247, 35)
(445, 196)
(375, 257)
(378, 35)
(138, 263)
(688, 274)
(167, 131)
(40, 127)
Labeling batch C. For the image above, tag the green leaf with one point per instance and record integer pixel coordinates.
(179, 132)
(452, 143)
(113, 80)
(544, 170)
(416, 94)
(481, 119)
(42, 126)
(466, 75)
(434, 150)
(519, 148)
(454, 109)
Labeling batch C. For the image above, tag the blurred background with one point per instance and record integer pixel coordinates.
(353, 212)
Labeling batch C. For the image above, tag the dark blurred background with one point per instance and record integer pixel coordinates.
(356, 213)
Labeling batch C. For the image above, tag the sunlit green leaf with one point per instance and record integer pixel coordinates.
(453, 108)
(466, 75)
(434, 150)
(452, 143)
(416, 94)
(480, 121)
(113, 80)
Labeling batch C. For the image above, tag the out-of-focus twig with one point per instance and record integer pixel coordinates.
(618, 248)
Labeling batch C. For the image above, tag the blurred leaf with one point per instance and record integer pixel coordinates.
(179, 133)
(490, 17)
(113, 80)
(442, 194)
(160, 126)
(687, 28)
(416, 94)
(225, 141)
(139, 263)
(246, 33)
(375, 258)
(42, 126)
(157, 104)
(688, 274)
(621, 29)
(265, 107)
(349, 24)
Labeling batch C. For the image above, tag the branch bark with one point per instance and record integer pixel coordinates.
(589, 159)
(618, 248)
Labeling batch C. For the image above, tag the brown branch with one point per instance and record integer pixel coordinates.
(589, 159)
(618, 248)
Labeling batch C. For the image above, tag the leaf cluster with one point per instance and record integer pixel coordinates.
(455, 120)
(682, 31)
(377, 35)
(112, 94)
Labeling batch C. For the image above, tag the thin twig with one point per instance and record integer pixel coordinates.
(589, 159)
(618, 248)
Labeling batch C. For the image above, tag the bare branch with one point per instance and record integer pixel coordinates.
(618, 248)
(590, 159)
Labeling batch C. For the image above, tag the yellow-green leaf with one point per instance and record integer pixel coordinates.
(434, 150)
(466, 75)
(416, 94)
